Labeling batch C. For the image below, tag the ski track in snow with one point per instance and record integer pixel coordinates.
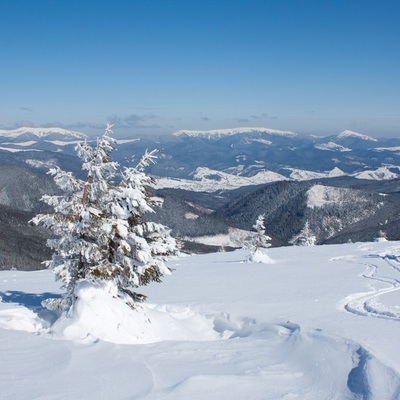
(367, 304)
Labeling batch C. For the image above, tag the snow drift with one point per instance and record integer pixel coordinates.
(322, 322)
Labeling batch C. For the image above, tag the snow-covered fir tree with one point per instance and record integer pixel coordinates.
(305, 237)
(259, 240)
(99, 227)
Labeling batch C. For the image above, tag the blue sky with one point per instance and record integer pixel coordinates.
(156, 66)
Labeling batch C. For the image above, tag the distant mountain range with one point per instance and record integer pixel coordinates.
(25, 133)
(338, 188)
(220, 159)
(218, 133)
(23, 246)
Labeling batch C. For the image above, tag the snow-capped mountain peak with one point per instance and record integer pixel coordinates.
(42, 133)
(347, 133)
(216, 133)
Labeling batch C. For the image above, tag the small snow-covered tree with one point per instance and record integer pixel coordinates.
(382, 237)
(259, 240)
(100, 231)
(305, 237)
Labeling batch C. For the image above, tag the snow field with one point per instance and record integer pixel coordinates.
(219, 328)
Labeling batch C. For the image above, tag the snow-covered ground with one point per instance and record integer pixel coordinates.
(319, 323)
(15, 150)
(234, 238)
(382, 173)
(209, 180)
(320, 196)
(331, 146)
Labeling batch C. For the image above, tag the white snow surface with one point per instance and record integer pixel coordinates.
(209, 180)
(16, 150)
(261, 256)
(124, 141)
(320, 196)
(234, 238)
(336, 172)
(63, 142)
(100, 314)
(395, 148)
(41, 132)
(263, 141)
(50, 163)
(215, 133)
(24, 144)
(303, 175)
(348, 133)
(321, 322)
(331, 146)
(382, 173)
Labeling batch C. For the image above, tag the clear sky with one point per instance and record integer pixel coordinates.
(156, 66)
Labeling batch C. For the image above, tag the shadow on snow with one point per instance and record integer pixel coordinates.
(32, 301)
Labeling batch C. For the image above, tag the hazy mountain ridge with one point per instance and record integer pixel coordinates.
(250, 152)
(217, 133)
(239, 151)
(348, 133)
(21, 134)
(22, 189)
(22, 246)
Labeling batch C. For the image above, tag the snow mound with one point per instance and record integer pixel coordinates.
(99, 313)
(216, 133)
(20, 319)
(261, 257)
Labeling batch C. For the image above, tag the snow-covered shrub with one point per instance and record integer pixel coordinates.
(99, 227)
